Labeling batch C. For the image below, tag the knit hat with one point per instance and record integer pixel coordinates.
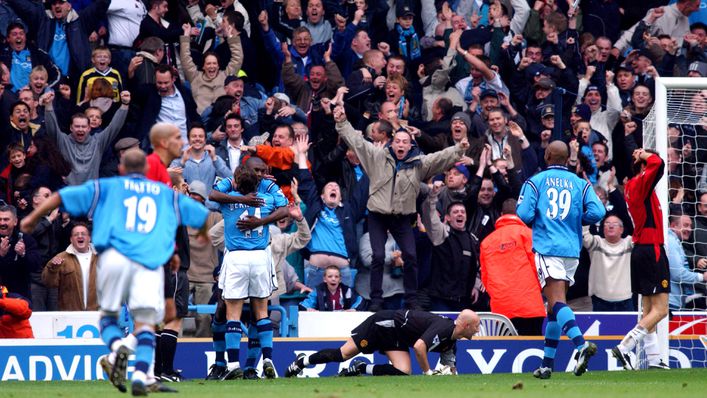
(583, 111)
(464, 118)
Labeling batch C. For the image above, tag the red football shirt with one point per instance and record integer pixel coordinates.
(643, 203)
(157, 170)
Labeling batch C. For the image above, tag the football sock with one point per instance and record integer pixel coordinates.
(253, 347)
(234, 332)
(632, 338)
(219, 338)
(264, 327)
(385, 370)
(168, 345)
(324, 356)
(110, 332)
(143, 354)
(566, 320)
(552, 339)
(650, 345)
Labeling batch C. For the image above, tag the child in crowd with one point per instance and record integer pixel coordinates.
(331, 294)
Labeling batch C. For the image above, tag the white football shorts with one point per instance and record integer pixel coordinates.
(247, 273)
(559, 268)
(120, 280)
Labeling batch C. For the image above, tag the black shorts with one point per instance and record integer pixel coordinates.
(377, 333)
(648, 276)
(176, 286)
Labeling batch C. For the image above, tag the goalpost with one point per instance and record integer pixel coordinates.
(679, 101)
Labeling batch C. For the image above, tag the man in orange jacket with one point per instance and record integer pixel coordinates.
(279, 157)
(14, 316)
(508, 272)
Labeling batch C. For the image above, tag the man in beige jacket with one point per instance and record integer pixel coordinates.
(395, 171)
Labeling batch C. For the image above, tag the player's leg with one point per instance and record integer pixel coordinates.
(170, 313)
(233, 335)
(649, 277)
(254, 351)
(347, 351)
(218, 330)
(260, 287)
(112, 283)
(263, 325)
(234, 275)
(171, 330)
(657, 310)
(146, 304)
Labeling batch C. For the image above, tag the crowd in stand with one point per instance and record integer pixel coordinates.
(404, 130)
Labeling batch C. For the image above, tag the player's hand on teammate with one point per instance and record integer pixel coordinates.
(248, 223)
(252, 200)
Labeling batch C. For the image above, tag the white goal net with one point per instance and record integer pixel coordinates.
(676, 128)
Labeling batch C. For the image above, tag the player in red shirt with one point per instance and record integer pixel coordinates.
(650, 273)
(167, 145)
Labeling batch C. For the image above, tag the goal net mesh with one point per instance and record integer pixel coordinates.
(686, 160)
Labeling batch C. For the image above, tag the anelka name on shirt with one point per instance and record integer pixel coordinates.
(559, 182)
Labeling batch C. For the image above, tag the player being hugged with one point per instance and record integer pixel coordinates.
(247, 270)
(555, 203)
(393, 333)
(134, 224)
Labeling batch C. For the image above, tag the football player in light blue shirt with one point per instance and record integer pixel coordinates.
(260, 329)
(134, 225)
(555, 203)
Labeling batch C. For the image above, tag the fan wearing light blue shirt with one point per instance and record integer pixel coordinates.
(555, 203)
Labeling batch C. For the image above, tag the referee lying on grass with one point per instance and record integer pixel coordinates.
(393, 333)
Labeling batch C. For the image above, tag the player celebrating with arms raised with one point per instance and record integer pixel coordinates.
(555, 203)
(650, 272)
(134, 224)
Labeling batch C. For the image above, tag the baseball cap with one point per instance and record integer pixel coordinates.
(404, 11)
(545, 83)
(699, 67)
(547, 110)
(489, 92)
(462, 169)
(626, 67)
(282, 97)
(591, 88)
(230, 79)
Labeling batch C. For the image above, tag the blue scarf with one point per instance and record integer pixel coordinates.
(413, 52)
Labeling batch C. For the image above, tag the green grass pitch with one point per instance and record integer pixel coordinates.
(643, 384)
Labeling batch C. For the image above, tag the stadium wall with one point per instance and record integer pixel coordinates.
(77, 359)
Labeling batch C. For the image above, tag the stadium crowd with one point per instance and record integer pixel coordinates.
(403, 129)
